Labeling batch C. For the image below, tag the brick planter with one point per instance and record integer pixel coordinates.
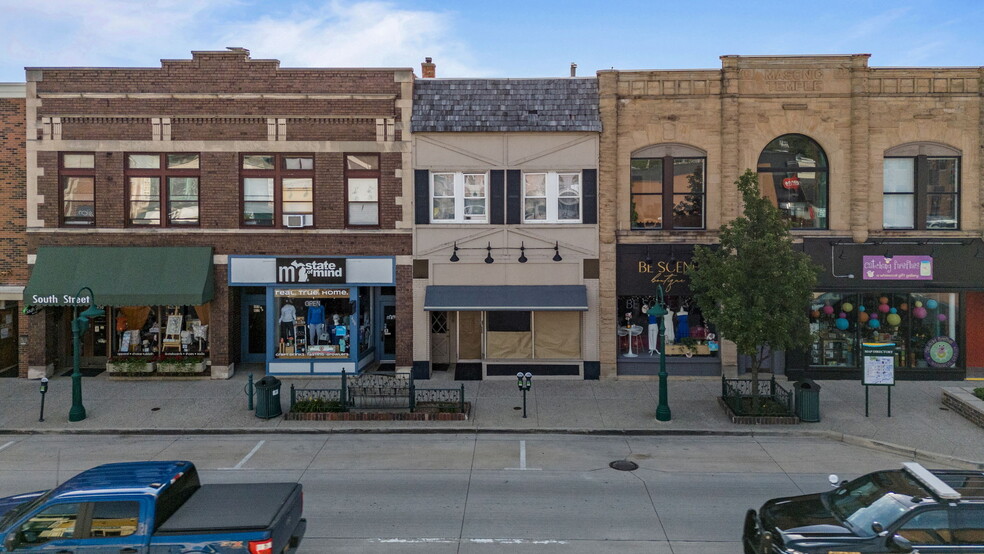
(378, 415)
(129, 369)
(757, 420)
(964, 403)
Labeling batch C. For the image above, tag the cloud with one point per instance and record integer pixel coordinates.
(302, 33)
(357, 34)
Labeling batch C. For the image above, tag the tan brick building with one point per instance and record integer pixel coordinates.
(220, 207)
(13, 247)
(879, 171)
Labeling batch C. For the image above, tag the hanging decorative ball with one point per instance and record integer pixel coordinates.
(861, 308)
(842, 315)
(941, 317)
(815, 314)
(904, 306)
(841, 323)
(918, 303)
(893, 311)
(874, 323)
(847, 306)
(874, 316)
(893, 319)
(828, 310)
(883, 300)
(919, 312)
(883, 308)
(863, 317)
(931, 304)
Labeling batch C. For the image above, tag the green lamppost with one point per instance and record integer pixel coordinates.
(658, 311)
(80, 322)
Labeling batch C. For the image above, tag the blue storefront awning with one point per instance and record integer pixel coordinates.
(506, 298)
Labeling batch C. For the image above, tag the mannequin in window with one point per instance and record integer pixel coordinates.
(652, 328)
(315, 322)
(683, 325)
(668, 326)
(288, 313)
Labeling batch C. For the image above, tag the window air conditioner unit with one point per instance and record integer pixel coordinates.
(298, 220)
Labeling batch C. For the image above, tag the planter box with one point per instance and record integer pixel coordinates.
(757, 420)
(681, 350)
(964, 403)
(127, 369)
(180, 367)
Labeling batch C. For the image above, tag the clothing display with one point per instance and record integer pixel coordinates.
(668, 328)
(653, 329)
(288, 314)
(683, 325)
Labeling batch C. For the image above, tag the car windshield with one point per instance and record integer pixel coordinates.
(878, 497)
(16, 513)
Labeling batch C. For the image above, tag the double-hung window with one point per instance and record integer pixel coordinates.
(921, 191)
(278, 190)
(362, 184)
(793, 174)
(667, 187)
(552, 197)
(162, 189)
(458, 197)
(78, 189)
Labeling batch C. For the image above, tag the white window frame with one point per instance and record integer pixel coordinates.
(459, 197)
(553, 197)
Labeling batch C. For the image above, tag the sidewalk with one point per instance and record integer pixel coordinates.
(919, 425)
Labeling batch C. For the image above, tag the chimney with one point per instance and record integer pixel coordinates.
(573, 69)
(427, 69)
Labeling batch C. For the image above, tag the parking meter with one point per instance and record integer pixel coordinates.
(524, 381)
(44, 390)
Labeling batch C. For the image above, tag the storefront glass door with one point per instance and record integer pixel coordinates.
(386, 343)
(254, 324)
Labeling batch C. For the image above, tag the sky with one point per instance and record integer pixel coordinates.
(487, 38)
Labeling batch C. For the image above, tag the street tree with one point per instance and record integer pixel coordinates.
(755, 287)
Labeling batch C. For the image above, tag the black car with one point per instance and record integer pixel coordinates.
(905, 510)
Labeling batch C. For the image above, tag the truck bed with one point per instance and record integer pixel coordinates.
(214, 508)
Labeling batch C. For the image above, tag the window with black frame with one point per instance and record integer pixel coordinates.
(78, 180)
(667, 188)
(162, 189)
(921, 192)
(793, 173)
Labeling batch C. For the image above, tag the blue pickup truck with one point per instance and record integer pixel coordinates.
(153, 508)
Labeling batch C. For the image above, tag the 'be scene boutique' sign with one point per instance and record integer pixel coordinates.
(311, 270)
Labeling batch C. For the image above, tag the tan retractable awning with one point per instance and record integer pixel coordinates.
(454, 298)
(121, 276)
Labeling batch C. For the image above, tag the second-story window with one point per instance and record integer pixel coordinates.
(458, 197)
(78, 189)
(667, 187)
(162, 189)
(552, 197)
(278, 190)
(921, 187)
(362, 189)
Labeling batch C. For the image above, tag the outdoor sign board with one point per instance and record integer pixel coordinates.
(879, 363)
(897, 268)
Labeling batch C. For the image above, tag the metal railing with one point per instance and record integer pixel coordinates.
(376, 390)
(737, 393)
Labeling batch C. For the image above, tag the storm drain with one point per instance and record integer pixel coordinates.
(624, 465)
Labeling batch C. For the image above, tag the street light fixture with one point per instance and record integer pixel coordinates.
(658, 311)
(80, 322)
(525, 381)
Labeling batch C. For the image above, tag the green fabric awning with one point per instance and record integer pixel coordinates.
(121, 276)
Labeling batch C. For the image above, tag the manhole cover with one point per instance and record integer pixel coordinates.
(624, 465)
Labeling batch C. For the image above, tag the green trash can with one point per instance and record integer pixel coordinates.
(807, 400)
(268, 397)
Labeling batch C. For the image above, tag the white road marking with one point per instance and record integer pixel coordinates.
(6, 445)
(522, 459)
(248, 456)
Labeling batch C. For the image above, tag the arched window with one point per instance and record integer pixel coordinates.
(921, 186)
(792, 171)
(667, 187)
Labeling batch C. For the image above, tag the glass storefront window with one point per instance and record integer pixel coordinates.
(687, 333)
(313, 323)
(912, 321)
(365, 320)
(160, 330)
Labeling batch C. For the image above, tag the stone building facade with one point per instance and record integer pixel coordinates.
(224, 207)
(869, 165)
(13, 242)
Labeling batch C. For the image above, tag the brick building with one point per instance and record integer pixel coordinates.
(13, 243)
(879, 171)
(220, 207)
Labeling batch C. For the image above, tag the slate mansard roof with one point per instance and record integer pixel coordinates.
(474, 105)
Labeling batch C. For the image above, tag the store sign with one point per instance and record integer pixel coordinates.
(666, 273)
(311, 270)
(311, 293)
(897, 268)
(941, 352)
(59, 300)
(790, 183)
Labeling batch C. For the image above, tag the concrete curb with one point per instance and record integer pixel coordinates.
(864, 442)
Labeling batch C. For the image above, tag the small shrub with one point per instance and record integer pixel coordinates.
(315, 405)
(979, 392)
